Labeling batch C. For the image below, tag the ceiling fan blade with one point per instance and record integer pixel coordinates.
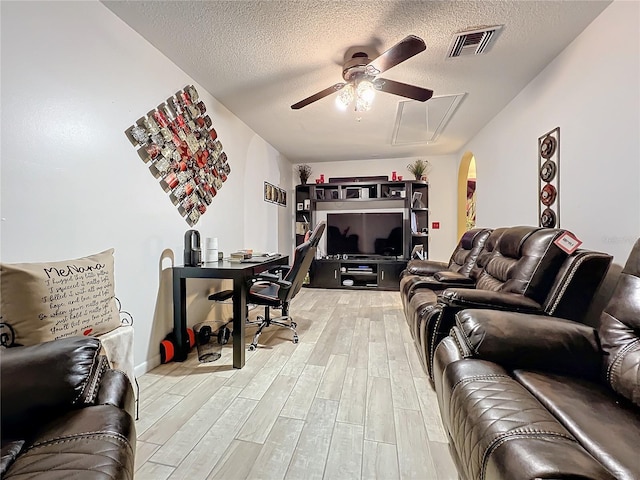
(318, 96)
(404, 90)
(400, 52)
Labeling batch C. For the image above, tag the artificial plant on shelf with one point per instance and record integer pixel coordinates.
(419, 168)
(304, 171)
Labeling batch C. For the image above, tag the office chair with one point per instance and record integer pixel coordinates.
(271, 291)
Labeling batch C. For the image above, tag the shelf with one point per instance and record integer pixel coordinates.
(368, 195)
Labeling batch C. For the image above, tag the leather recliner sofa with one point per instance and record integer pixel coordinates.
(527, 397)
(462, 261)
(65, 413)
(522, 270)
(427, 287)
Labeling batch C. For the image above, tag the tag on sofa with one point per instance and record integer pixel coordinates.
(568, 243)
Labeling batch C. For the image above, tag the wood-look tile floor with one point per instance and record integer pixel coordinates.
(349, 401)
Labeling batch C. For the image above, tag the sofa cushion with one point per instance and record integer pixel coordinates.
(96, 442)
(606, 425)
(620, 331)
(533, 457)
(489, 411)
(50, 300)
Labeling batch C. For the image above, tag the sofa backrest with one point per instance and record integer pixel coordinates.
(576, 284)
(619, 331)
(524, 262)
(490, 245)
(465, 255)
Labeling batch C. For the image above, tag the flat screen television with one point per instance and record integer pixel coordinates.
(369, 233)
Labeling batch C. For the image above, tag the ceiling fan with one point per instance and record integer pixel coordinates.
(361, 82)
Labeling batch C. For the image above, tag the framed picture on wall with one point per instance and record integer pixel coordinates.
(274, 194)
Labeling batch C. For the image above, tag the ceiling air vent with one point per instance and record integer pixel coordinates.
(473, 42)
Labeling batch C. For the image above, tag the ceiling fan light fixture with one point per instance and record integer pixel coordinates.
(361, 93)
(365, 91)
(362, 105)
(345, 97)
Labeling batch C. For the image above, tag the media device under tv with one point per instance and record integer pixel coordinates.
(367, 234)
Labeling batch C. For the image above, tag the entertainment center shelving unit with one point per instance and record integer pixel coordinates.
(315, 201)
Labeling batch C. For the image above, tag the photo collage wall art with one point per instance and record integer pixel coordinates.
(273, 194)
(549, 179)
(181, 147)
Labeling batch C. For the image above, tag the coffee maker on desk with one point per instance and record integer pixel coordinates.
(192, 249)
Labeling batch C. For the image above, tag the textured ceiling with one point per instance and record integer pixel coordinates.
(259, 57)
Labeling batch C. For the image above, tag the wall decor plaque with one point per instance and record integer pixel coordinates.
(549, 179)
(183, 151)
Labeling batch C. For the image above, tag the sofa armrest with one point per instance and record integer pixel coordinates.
(462, 298)
(45, 379)
(116, 389)
(425, 267)
(447, 277)
(536, 342)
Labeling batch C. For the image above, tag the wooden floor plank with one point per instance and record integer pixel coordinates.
(144, 451)
(298, 359)
(445, 468)
(273, 460)
(206, 454)
(345, 452)
(264, 377)
(259, 424)
(237, 462)
(184, 440)
(379, 461)
(302, 395)
(330, 387)
(153, 471)
(414, 458)
(310, 456)
(379, 423)
(162, 430)
(359, 352)
(353, 400)
(378, 360)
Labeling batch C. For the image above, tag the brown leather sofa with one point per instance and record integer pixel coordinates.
(463, 259)
(525, 396)
(65, 413)
(520, 269)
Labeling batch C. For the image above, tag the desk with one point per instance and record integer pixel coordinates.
(240, 274)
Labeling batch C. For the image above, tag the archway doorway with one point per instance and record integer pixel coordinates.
(466, 193)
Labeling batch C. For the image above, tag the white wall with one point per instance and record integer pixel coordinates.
(592, 92)
(442, 191)
(74, 78)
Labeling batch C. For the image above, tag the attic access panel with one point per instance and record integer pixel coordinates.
(423, 122)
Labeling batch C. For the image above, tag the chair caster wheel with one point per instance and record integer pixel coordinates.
(252, 347)
(295, 339)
